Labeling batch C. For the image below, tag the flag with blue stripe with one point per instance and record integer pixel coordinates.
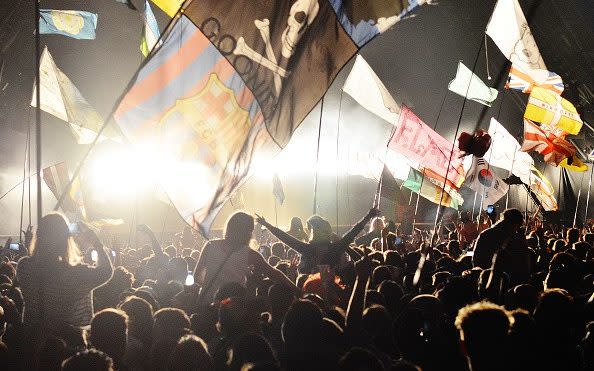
(72, 23)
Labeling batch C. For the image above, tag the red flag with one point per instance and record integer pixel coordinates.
(548, 141)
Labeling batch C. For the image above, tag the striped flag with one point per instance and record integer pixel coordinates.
(56, 177)
(549, 108)
(523, 81)
(150, 30)
(549, 142)
(430, 189)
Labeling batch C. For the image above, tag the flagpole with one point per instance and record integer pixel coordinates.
(275, 213)
(510, 173)
(38, 115)
(474, 204)
(423, 258)
(337, 154)
(25, 157)
(577, 203)
(589, 189)
(315, 198)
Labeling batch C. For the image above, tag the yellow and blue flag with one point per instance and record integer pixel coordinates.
(170, 7)
(72, 23)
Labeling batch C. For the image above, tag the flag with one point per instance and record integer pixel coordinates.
(427, 188)
(549, 142)
(421, 144)
(277, 189)
(543, 190)
(62, 99)
(469, 85)
(56, 177)
(170, 7)
(574, 164)
(72, 23)
(510, 32)
(549, 108)
(128, 3)
(363, 20)
(150, 30)
(481, 179)
(505, 152)
(229, 85)
(524, 82)
(368, 90)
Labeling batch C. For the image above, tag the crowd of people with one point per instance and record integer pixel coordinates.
(507, 296)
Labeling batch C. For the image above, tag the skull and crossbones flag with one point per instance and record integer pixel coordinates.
(230, 83)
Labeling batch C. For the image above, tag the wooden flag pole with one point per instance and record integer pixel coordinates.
(315, 198)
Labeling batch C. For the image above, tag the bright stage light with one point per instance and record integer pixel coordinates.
(118, 173)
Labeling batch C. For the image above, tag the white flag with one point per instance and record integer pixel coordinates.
(509, 30)
(469, 85)
(505, 152)
(62, 99)
(367, 89)
(481, 179)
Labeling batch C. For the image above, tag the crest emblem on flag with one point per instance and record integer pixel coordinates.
(213, 109)
(68, 21)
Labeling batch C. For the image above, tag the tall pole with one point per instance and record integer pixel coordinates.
(589, 189)
(315, 198)
(474, 204)
(510, 173)
(37, 113)
(577, 203)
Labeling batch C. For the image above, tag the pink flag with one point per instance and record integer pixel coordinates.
(417, 141)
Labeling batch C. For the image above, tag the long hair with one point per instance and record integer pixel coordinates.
(320, 229)
(296, 224)
(52, 242)
(239, 229)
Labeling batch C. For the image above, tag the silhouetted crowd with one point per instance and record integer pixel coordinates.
(506, 294)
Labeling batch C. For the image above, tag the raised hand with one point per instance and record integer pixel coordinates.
(373, 212)
(261, 220)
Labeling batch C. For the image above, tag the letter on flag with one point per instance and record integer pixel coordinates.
(484, 181)
(505, 152)
(62, 99)
(230, 83)
(549, 108)
(368, 90)
(421, 144)
(150, 30)
(469, 85)
(72, 23)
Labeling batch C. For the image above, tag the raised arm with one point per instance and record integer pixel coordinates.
(297, 245)
(350, 235)
(354, 315)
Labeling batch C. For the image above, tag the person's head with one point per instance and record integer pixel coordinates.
(319, 229)
(513, 218)
(250, 348)
(483, 328)
(296, 224)
(52, 353)
(52, 241)
(90, 360)
(239, 229)
(301, 326)
(169, 323)
(572, 236)
(377, 224)
(278, 249)
(140, 318)
(236, 316)
(191, 354)
(109, 332)
(358, 359)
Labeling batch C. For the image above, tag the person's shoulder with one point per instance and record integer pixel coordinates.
(24, 264)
